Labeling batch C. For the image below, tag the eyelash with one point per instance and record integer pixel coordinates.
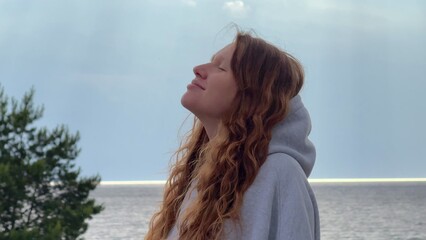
(222, 69)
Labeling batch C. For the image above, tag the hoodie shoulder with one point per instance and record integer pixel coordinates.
(278, 205)
(283, 166)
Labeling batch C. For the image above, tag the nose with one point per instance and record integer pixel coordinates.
(200, 72)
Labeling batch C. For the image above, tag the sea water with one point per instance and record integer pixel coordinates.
(382, 211)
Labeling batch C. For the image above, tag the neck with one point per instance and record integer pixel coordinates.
(210, 125)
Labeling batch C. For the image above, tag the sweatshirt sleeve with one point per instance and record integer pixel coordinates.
(279, 205)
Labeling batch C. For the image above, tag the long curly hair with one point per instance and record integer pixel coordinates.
(223, 168)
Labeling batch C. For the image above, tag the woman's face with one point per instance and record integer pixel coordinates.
(213, 89)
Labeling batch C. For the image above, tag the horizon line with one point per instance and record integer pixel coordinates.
(314, 180)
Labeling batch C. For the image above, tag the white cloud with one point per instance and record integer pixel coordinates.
(236, 8)
(191, 3)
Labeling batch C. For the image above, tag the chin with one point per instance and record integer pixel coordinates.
(187, 101)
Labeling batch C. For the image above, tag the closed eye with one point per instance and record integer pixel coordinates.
(212, 60)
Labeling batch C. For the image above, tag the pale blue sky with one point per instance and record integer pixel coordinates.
(115, 71)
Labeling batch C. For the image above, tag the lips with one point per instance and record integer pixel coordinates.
(198, 84)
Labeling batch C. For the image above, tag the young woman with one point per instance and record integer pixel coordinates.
(242, 171)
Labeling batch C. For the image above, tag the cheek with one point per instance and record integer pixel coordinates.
(230, 91)
(224, 95)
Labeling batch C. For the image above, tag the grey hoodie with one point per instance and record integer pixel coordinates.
(280, 204)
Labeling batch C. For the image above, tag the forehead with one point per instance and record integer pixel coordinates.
(224, 54)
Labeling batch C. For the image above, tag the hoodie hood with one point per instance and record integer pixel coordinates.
(290, 136)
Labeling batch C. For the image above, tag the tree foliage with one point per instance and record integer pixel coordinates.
(42, 195)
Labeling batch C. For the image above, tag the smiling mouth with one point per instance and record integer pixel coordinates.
(198, 85)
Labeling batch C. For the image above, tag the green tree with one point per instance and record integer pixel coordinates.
(42, 195)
